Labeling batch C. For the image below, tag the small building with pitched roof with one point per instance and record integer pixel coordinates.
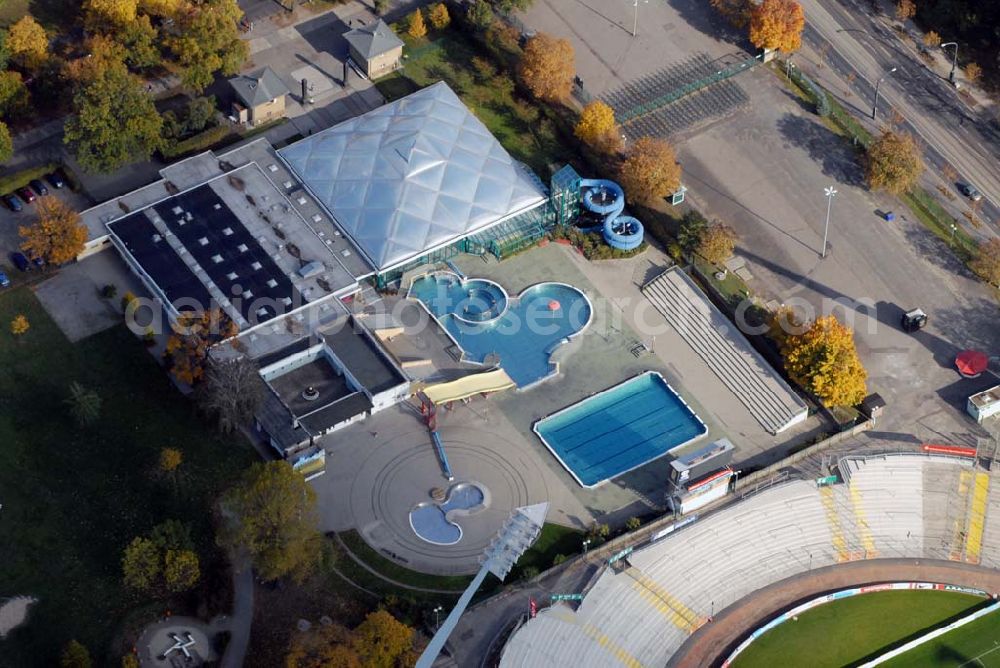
(260, 97)
(375, 49)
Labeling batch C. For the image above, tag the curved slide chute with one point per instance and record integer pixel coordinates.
(606, 198)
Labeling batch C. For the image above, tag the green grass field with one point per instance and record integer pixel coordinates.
(74, 497)
(844, 632)
(975, 644)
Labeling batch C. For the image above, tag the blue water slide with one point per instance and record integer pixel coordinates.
(439, 447)
(606, 198)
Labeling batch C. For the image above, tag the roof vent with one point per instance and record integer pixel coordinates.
(203, 241)
(242, 248)
(217, 259)
(255, 266)
(157, 238)
(227, 231)
(232, 276)
(271, 283)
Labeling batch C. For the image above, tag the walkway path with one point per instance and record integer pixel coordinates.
(715, 639)
(241, 618)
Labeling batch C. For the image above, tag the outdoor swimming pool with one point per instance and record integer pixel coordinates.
(619, 429)
(432, 521)
(521, 331)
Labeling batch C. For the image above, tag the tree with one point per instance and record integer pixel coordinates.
(973, 72)
(824, 361)
(130, 661)
(28, 43)
(170, 459)
(932, 39)
(163, 562)
(508, 6)
(208, 41)
(481, 15)
(200, 113)
(597, 128)
(231, 391)
(777, 24)
(140, 40)
(15, 101)
(633, 523)
(736, 12)
(271, 513)
(6, 143)
(417, 27)
(547, 67)
(322, 647)
(57, 236)
(180, 570)
(381, 641)
(692, 226)
(986, 262)
(893, 162)
(905, 9)
(141, 564)
(84, 404)
(193, 334)
(115, 120)
(439, 16)
(717, 243)
(75, 655)
(19, 326)
(381, 7)
(650, 170)
(161, 8)
(103, 14)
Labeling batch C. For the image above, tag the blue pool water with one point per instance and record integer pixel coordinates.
(619, 429)
(522, 331)
(430, 520)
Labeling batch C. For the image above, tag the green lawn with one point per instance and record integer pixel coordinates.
(515, 122)
(555, 539)
(73, 498)
(846, 631)
(390, 569)
(975, 644)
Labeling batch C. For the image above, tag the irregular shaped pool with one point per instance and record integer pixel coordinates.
(521, 331)
(432, 521)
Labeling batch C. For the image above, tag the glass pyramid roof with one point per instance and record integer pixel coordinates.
(412, 176)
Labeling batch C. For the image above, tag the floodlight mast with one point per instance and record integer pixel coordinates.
(517, 534)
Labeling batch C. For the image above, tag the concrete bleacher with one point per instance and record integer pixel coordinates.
(726, 351)
(642, 611)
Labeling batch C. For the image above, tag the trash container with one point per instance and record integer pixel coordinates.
(890, 216)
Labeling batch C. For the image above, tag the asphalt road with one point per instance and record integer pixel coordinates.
(856, 40)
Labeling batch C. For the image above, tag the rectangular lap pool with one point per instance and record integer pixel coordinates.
(619, 429)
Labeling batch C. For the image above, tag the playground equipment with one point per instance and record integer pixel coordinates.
(606, 198)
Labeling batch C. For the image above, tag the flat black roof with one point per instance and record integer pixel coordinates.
(368, 365)
(151, 251)
(321, 376)
(343, 409)
(233, 259)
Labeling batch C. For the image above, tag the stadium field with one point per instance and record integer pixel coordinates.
(846, 631)
(975, 644)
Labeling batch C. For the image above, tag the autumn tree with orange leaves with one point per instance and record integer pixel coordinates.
(650, 170)
(824, 361)
(598, 129)
(547, 67)
(193, 334)
(777, 24)
(57, 236)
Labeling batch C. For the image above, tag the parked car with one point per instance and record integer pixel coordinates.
(971, 191)
(56, 179)
(20, 261)
(26, 194)
(39, 187)
(12, 202)
(38, 262)
(4, 281)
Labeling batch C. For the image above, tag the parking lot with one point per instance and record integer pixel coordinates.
(10, 240)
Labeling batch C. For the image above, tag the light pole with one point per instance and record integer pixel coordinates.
(829, 192)
(877, 84)
(635, 17)
(437, 617)
(954, 60)
(586, 544)
(953, 230)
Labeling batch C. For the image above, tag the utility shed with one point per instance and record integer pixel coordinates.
(985, 404)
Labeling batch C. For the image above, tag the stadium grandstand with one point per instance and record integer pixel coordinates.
(640, 609)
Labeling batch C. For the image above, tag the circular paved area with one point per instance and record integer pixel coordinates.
(379, 469)
(715, 640)
(170, 634)
(403, 469)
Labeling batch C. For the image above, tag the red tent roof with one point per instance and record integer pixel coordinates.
(971, 362)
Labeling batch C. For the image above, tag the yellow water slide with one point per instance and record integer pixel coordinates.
(468, 386)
